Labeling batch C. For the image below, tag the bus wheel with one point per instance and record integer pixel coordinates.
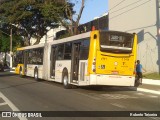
(36, 74)
(65, 81)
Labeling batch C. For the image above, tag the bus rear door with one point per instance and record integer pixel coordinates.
(75, 62)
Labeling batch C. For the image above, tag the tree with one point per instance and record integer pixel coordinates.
(5, 43)
(32, 17)
(68, 10)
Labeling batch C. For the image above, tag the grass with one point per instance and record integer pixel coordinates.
(154, 76)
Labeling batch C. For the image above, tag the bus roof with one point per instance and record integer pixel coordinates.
(31, 47)
(72, 38)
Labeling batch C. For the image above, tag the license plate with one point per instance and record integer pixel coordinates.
(115, 72)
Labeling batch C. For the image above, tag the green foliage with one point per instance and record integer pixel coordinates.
(154, 76)
(33, 17)
(5, 42)
(13, 10)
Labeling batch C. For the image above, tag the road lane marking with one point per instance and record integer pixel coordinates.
(155, 118)
(117, 96)
(148, 91)
(153, 96)
(117, 105)
(140, 94)
(1, 104)
(11, 105)
(88, 95)
(146, 95)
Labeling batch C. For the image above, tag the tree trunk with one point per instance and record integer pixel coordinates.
(75, 29)
(26, 42)
(76, 23)
(37, 41)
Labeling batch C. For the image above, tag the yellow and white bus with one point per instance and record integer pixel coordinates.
(94, 58)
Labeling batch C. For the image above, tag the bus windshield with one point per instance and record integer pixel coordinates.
(18, 58)
(116, 42)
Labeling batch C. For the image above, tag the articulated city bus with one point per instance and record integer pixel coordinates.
(93, 58)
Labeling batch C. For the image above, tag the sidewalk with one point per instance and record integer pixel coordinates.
(151, 82)
(150, 86)
(12, 70)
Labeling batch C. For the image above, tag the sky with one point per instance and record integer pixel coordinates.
(92, 9)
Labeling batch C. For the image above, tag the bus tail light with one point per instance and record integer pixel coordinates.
(94, 65)
(134, 72)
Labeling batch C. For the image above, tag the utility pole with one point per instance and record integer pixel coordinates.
(11, 53)
(158, 30)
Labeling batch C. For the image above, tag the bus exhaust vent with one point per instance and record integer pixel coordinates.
(82, 71)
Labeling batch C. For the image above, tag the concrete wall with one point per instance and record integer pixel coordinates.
(139, 16)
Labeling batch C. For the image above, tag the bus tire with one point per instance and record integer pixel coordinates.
(36, 74)
(65, 80)
(21, 72)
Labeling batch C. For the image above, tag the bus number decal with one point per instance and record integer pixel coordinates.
(102, 66)
(103, 58)
(125, 59)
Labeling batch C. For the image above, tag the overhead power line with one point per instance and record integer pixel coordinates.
(130, 9)
(116, 5)
(126, 6)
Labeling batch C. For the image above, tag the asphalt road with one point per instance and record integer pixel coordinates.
(26, 94)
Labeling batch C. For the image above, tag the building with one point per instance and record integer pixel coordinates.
(141, 17)
(99, 23)
(51, 35)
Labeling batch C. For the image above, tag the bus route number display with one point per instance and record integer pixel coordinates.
(116, 38)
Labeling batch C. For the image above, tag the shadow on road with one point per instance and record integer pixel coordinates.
(109, 88)
(17, 85)
(6, 74)
(93, 88)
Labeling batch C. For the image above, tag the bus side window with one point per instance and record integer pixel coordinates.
(67, 52)
(84, 49)
(30, 57)
(19, 57)
(39, 56)
(60, 52)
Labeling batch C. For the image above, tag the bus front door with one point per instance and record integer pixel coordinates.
(53, 61)
(75, 62)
